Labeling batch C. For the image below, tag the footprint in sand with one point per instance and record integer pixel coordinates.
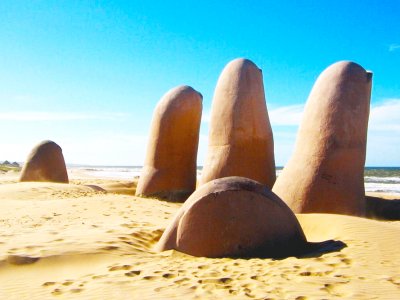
(21, 259)
(118, 268)
(67, 282)
(168, 275)
(132, 273)
(109, 248)
(98, 276)
(181, 281)
(57, 292)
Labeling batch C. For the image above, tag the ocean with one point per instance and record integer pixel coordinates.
(376, 179)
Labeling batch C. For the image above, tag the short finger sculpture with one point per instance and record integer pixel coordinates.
(45, 163)
(169, 171)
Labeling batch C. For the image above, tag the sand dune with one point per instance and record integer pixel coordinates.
(75, 241)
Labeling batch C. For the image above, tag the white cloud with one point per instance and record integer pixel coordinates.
(122, 147)
(29, 116)
(105, 148)
(202, 150)
(383, 131)
(280, 116)
(205, 117)
(286, 115)
(385, 116)
(92, 148)
(394, 47)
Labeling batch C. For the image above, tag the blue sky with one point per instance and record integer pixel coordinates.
(88, 74)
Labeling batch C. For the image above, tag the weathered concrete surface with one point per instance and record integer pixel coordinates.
(45, 163)
(326, 171)
(240, 138)
(234, 217)
(169, 171)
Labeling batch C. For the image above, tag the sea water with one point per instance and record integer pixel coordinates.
(376, 179)
(382, 179)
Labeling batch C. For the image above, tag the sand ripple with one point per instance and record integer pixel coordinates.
(70, 241)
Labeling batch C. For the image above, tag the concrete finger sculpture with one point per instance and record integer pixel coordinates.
(326, 171)
(169, 171)
(234, 217)
(45, 163)
(240, 138)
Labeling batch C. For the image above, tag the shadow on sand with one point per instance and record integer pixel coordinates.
(382, 209)
(320, 248)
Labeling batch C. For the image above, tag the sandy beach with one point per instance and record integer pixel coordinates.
(92, 239)
(199, 150)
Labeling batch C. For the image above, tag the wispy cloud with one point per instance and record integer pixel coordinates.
(105, 147)
(286, 115)
(280, 116)
(383, 131)
(385, 116)
(394, 47)
(29, 116)
(86, 147)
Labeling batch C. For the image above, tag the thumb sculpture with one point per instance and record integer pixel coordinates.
(240, 138)
(234, 217)
(45, 163)
(169, 171)
(326, 171)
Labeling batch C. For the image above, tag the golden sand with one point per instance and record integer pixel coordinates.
(60, 241)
